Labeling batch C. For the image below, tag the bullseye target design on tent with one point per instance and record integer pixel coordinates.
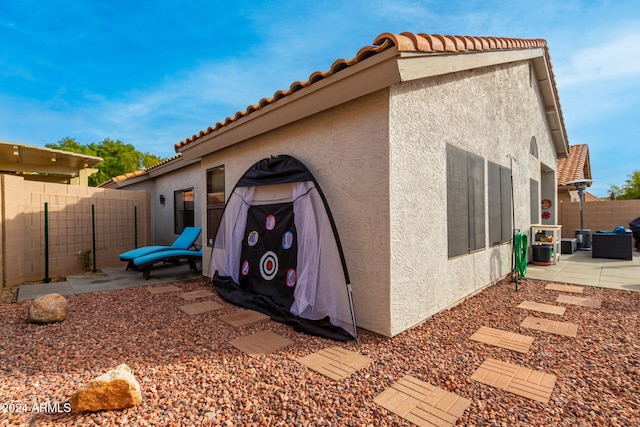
(277, 251)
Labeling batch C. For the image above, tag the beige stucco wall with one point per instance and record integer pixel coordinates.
(162, 215)
(70, 228)
(346, 150)
(491, 113)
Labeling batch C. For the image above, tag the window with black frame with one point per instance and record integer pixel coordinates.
(183, 210)
(215, 201)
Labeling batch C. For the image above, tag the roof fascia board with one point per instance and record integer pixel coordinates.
(21, 167)
(544, 78)
(362, 78)
(168, 167)
(133, 180)
(417, 65)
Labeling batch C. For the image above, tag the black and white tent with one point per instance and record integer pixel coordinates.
(277, 251)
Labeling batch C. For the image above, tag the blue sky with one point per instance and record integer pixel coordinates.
(152, 73)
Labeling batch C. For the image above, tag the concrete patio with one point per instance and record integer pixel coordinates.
(581, 269)
(110, 278)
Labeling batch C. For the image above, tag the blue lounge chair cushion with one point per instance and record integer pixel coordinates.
(184, 241)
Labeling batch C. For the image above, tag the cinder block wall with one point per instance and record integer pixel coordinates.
(604, 215)
(22, 257)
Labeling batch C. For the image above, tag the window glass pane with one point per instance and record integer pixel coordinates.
(215, 201)
(535, 201)
(476, 201)
(184, 213)
(495, 204)
(457, 202)
(505, 196)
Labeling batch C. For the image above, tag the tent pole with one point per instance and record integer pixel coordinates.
(353, 313)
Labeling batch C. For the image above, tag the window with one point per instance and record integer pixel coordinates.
(535, 201)
(183, 211)
(500, 216)
(215, 201)
(533, 147)
(465, 202)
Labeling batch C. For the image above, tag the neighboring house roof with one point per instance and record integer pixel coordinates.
(410, 45)
(588, 197)
(576, 166)
(116, 180)
(21, 158)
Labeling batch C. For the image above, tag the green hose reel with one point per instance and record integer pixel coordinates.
(520, 249)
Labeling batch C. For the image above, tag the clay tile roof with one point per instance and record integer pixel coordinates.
(141, 172)
(404, 42)
(576, 166)
(588, 197)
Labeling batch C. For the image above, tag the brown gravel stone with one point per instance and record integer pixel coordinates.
(190, 374)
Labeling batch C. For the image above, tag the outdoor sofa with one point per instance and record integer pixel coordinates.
(615, 244)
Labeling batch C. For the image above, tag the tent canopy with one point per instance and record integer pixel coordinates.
(277, 251)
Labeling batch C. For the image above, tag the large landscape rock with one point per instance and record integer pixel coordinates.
(117, 389)
(48, 309)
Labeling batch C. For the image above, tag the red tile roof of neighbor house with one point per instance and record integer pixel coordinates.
(576, 166)
(141, 172)
(404, 42)
(588, 197)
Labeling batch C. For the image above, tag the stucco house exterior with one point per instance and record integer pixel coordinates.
(421, 143)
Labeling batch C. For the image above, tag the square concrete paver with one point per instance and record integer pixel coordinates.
(504, 339)
(564, 288)
(584, 302)
(551, 326)
(543, 308)
(202, 293)
(200, 307)
(335, 362)
(422, 403)
(525, 382)
(243, 318)
(260, 343)
(163, 289)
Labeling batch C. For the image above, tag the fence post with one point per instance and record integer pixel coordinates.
(93, 235)
(135, 227)
(46, 279)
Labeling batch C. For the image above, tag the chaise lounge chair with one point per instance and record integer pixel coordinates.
(184, 241)
(145, 263)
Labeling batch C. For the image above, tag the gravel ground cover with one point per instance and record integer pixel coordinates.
(191, 375)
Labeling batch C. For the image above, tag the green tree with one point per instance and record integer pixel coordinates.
(118, 158)
(630, 189)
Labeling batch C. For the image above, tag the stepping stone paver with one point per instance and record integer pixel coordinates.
(543, 308)
(203, 293)
(200, 307)
(584, 302)
(243, 318)
(564, 288)
(335, 362)
(163, 289)
(422, 403)
(525, 382)
(260, 343)
(551, 326)
(504, 339)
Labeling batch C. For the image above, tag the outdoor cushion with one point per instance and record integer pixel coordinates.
(184, 241)
(146, 262)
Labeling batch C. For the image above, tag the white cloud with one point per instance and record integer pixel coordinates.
(617, 58)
